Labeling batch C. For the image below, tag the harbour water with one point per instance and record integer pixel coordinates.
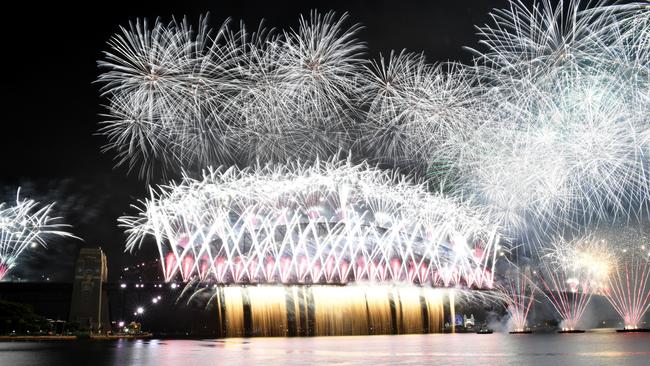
(591, 348)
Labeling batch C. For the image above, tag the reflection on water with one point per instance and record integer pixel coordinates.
(447, 349)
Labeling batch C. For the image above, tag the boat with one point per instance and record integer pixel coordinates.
(485, 331)
(637, 330)
(571, 331)
(527, 331)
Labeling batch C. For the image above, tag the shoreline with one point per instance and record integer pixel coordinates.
(38, 338)
(98, 337)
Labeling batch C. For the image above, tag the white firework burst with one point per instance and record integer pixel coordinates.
(413, 107)
(331, 222)
(185, 98)
(564, 138)
(23, 226)
(164, 95)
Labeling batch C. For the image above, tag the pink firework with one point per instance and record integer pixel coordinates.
(628, 290)
(518, 292)
(568, 295)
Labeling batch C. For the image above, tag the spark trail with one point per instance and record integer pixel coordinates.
(331, 222)
(24, 225)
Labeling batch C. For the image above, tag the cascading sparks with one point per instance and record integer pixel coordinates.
(329, 310)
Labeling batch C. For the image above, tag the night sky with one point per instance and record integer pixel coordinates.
(51, 107)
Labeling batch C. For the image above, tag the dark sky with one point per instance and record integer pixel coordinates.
(51, 108)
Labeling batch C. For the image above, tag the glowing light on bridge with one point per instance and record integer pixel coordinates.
(330, 222)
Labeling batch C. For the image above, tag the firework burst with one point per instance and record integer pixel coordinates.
(412, 108)
(572, 271)
(25, 225)
(629, 292)
(564, 138)
(184, 98)
(629, 281)
(324, 223)
(517, 289)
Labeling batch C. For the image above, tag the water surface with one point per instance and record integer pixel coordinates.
(593, 348)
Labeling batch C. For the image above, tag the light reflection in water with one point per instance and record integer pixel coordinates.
(448, 349)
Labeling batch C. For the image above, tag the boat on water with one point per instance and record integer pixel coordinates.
(527, 331)
(633, 330)
(485, 331)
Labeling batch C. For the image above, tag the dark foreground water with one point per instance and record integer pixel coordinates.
(445, 349)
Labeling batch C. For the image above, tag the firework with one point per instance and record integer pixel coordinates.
(324, 223)
(568, 296)
(572, 271)
(412, 108)
(546, 134)
(23, 226)
(548, 129)
(629, 290)
(518, 291)
(589, 257)
(184, 98)
(564, 138)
